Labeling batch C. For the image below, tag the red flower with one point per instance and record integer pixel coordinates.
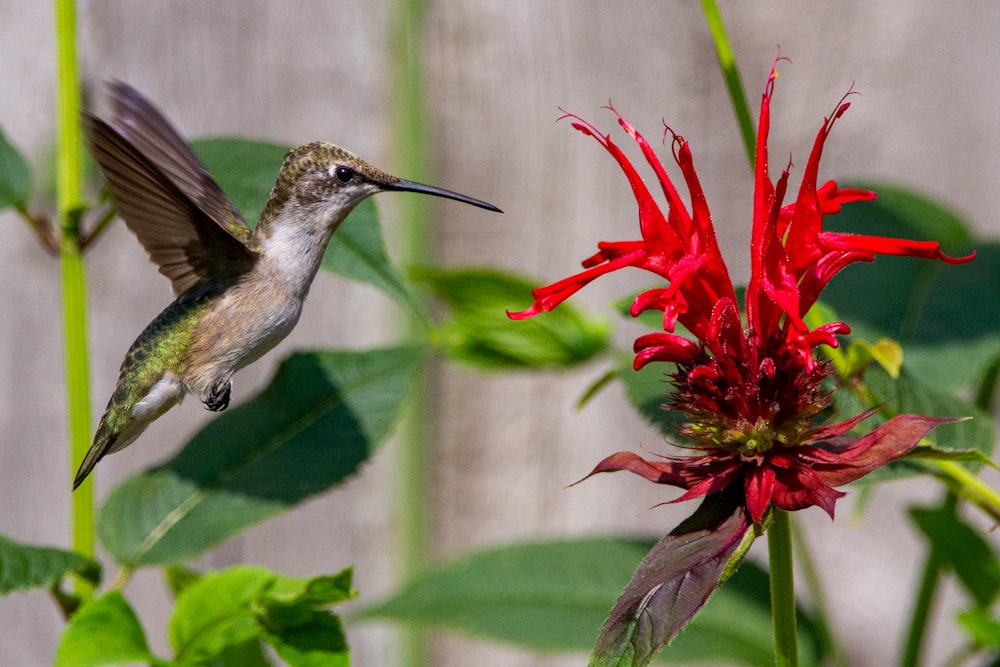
(752, 388)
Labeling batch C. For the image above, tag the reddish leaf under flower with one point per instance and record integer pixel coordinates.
(673, 582)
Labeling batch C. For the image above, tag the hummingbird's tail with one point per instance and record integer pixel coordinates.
(103, 442)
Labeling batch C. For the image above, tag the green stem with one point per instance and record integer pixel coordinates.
(925, 599)
(411, 122)
(74, 287)
(814, 587)
(779, 551)
(731, 74)
(967, 486)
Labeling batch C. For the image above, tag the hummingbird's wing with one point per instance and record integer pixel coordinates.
(166, 197)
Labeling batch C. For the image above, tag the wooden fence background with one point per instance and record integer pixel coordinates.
(504, 446)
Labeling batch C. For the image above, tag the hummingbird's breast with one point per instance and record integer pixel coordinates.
(246, 322)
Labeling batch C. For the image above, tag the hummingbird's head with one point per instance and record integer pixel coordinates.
(323, 182)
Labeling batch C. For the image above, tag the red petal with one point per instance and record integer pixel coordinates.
(664, 347)
(885, 245)
(798, 487)
(759, 485)
(660, 472)
(550, 296)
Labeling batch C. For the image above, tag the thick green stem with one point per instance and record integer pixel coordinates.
(74, 287)
(779, 551)
(410, 123)
(731, 74)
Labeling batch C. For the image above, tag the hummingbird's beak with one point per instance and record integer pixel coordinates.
(403, 185)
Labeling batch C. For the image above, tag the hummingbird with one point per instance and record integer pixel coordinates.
(239, 291)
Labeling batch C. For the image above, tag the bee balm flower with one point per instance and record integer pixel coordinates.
(748, 380)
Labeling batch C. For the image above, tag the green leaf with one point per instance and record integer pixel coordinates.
(549, 596)
(480, 333)
(216, 613)
(962, 548)
(23, 566)
(291, 603)
(553, 596)
(646, 390)
(315, 592)
(245, 170)
(937, 454)
(945, 319)
(905, 395)
(179, 578)
(318, 642)
(885, 352)
(247, 654)
(982, 627)
(322, 415)
(673, 582)
(357, 252)
(15, 175)
(223, 614)
(105, 631)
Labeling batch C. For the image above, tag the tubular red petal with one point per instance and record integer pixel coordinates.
(550, 296)
(664, 347)
(885, 245)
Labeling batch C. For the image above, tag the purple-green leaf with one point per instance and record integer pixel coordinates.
(672, 584)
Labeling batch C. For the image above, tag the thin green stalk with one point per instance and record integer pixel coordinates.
(731, 74)
(967, 486)
(831, 649)
(74, 286)
(779, 551)
(410, 123)
(929, 578)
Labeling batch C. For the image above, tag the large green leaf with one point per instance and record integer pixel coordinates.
(480, 333)
(322, 415)
(945, 316)
(553, 596)
(23, 566)
(247, 170)
(357, 252)
(15, 176)
(105, 631)
(549, 596)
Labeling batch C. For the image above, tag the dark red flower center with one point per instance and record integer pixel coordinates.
(750, 405)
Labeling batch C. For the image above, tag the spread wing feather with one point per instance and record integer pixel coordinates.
(170, 202)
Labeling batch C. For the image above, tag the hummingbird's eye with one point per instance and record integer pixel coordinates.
(344, 174)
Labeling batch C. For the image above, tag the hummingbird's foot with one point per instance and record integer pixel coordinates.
(218, 399)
